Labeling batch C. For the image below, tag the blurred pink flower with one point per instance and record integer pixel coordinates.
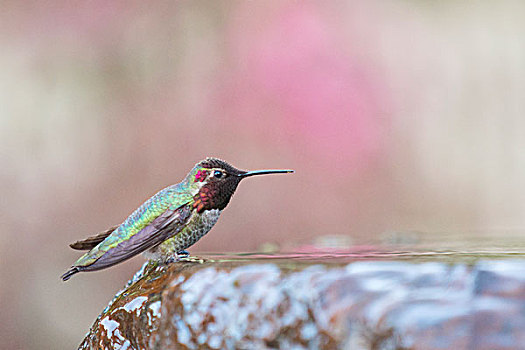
(294, 60)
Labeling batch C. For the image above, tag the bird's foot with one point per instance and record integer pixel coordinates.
(183, 254)
(172, 259)
(176, 257)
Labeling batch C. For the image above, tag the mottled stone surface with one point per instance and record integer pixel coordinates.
(319, 303)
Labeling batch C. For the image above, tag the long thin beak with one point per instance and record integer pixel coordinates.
(264, 172)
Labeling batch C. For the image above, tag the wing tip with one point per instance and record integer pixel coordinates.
(70, 273)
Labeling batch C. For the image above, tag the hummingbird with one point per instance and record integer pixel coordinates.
(168, 223)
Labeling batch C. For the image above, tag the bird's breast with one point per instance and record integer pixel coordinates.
(198, 225)
(210, 217)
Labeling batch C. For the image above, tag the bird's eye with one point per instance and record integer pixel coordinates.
(218, 174)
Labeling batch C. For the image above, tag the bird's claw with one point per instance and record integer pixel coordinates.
(178, 256)
(172, 259)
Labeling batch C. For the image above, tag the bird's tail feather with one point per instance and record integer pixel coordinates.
(91, 242)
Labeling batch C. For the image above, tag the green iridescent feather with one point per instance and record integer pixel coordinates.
(171, 197)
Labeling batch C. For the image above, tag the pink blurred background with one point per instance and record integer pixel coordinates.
(396, 115)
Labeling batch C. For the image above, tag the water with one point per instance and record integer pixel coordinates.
(408, 290)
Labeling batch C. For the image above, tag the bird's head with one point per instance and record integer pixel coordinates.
(217, 180)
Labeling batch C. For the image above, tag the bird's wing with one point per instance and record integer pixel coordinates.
(153, 210)
(164, 207)
(163, 227)
(91, 242)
